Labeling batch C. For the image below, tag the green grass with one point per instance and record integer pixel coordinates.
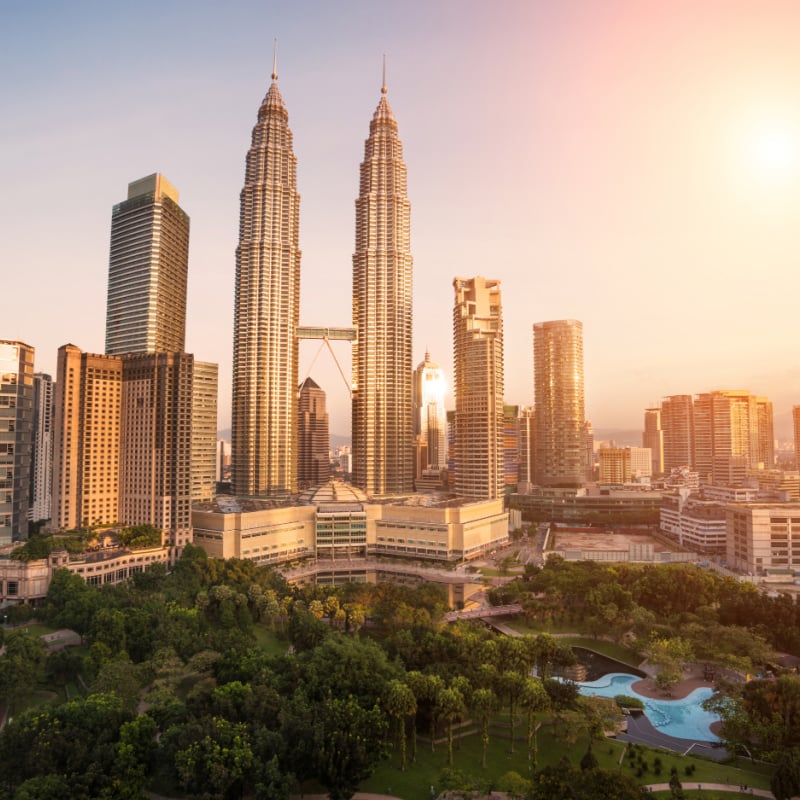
(606, 648)
(417, 779)
(34, 628)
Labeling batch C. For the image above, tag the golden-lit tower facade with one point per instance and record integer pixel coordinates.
(430, 415)
(559, 400)
(267, 306)
(383, 439)
(478, 366)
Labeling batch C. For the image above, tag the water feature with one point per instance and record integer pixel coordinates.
(684, 719)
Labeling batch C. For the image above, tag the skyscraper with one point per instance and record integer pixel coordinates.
(478, 362)
(16, 438)
(559, 402)
(205, 381)
(147, 272)
(156, 445)
(86, 452)
(527, 443)
(677, 423)
(653, 437)
(267, 307)
(383, 455)
(314, 441)
(430, 420)
(42, 458)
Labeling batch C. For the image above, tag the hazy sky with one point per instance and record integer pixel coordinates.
(632, 165)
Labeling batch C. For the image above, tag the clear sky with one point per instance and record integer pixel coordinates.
(633, 165)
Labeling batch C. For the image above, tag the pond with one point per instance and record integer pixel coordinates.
(684, 719)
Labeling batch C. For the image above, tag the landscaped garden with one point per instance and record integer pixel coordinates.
(220, 680)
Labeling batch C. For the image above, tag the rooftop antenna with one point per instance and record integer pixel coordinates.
(275, 60)
(383, 86)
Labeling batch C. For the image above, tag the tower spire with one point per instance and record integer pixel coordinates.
(383, 84)
(275, 59)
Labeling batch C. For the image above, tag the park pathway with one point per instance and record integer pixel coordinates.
(715, 787)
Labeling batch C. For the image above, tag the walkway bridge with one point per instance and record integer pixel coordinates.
(485, 612)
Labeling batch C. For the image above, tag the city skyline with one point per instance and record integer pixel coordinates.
(633, 168)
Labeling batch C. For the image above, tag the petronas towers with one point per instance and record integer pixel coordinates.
(267, 305)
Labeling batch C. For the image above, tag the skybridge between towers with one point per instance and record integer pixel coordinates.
(327, 335)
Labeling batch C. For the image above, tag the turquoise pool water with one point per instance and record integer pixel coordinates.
(684, 718)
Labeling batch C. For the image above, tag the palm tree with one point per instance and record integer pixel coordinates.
(510, 683)
(484, 702)
(400, 703)
(450, 704)
(533, 698)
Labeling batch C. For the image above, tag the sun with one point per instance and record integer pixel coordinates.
(775, 149)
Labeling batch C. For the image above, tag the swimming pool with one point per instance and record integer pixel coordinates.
(685, 719)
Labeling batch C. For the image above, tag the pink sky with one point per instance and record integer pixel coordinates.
(632, 165)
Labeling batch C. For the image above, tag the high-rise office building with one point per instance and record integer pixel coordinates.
(430, 416)
(653, 437)
(510, 446)
(677, 424)
(527, 440)
(156, 444)
(86, 452)
(205, 382)
(796, 422)
(559, 401)
(147, 273)
(478, 363)
(123, 442)
(42, 458)
(383, 439)
(16, 438)
(588, 451)
(733, 435)
(313, 436)
(267, 307)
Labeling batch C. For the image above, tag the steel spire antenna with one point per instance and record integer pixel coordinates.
(275, 59)
(383, 85)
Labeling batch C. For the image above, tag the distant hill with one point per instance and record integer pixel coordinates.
(621, 436)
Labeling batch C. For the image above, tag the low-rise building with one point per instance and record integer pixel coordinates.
(764, 538)
(693, 523)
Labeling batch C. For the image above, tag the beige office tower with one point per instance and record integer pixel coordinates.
(146, 310)
(478, 362)
(156, 444)
(588, 450)
(204, 430)
(266, 312)
(527, 441)
(559, 401)
(677, 424)
(733, 435)
(430, 415)
(383, 438)
(16, 438)
(796, 421)
(86, 452)
(653, 437)
(41, 503)
(313, 433)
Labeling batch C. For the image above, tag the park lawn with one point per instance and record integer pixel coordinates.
(417, 779)
(35, 628)
(269, 642)
(604, 647)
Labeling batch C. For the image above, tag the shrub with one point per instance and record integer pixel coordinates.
(626, 701)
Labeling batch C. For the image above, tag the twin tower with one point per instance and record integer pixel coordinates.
(267, 313)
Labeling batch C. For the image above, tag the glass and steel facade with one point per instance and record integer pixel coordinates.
(383, 438)
(148, 265)
(266, 311)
